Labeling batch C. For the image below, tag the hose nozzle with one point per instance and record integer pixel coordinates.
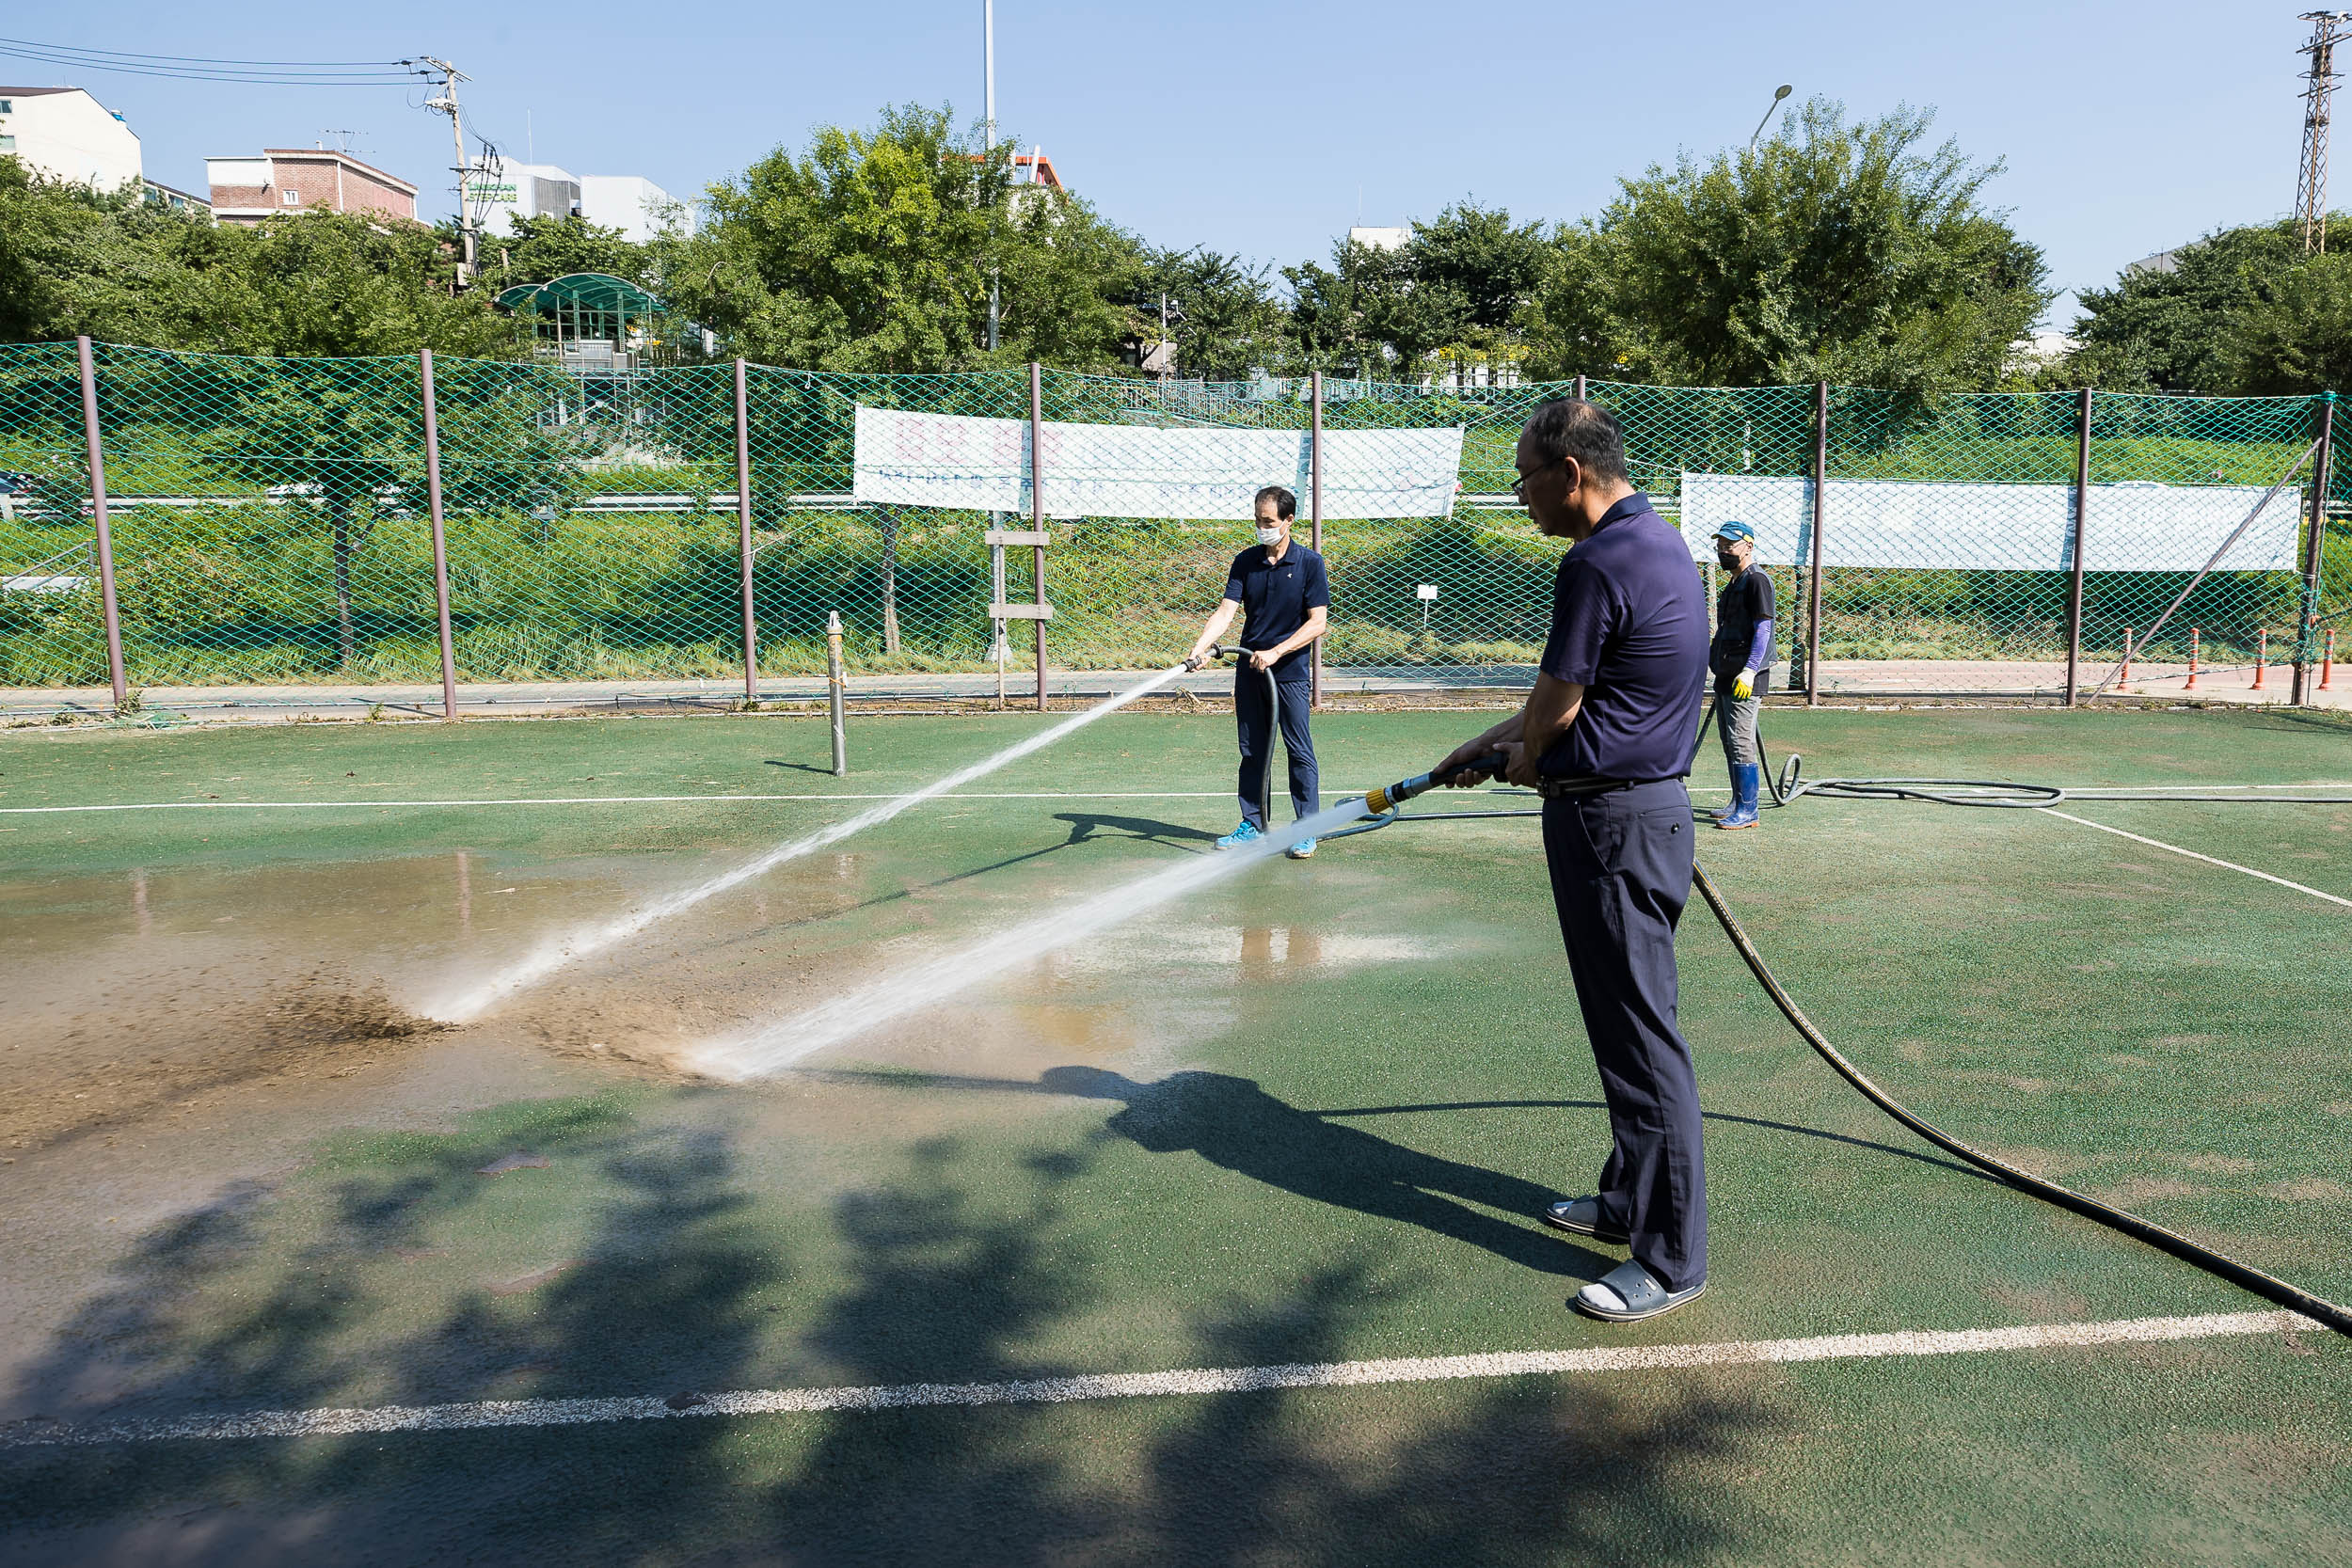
(1215, 650)
(1379, 801)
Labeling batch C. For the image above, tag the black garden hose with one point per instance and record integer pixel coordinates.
(1953, 792)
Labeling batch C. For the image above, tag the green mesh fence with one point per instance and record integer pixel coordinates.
(270, 524)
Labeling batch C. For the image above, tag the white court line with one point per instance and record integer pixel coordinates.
(1114, 1386)
(961, 795)
(622, 801)
(2209, 860)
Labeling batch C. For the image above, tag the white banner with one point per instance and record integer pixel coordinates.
(2133, 526)
(1109, 470)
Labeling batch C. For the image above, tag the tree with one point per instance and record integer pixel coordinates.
(1833, 252)
(1474, 274)
(539, 249)
(1225, 322)
(874, 250)
(2221, 319)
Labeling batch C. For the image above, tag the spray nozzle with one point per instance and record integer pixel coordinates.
(1395, 795)
(1215, 650)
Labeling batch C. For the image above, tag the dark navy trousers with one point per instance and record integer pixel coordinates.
(1620, 874)
(1254, 716)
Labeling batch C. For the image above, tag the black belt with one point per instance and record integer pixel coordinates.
(1570, 789)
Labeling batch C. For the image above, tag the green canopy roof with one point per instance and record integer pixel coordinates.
(591, 290)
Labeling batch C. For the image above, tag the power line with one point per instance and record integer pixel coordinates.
(195, 59)
(350, 73)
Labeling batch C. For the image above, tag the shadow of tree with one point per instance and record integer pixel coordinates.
(951, 1270)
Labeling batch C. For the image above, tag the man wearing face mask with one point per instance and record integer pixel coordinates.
(1282, 588)
(1740, 658)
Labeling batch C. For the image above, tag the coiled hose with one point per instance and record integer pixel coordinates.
(1790, 786)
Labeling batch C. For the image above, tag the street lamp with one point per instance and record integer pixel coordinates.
(1784, 91)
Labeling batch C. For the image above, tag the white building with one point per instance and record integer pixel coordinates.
(521, 191)
(67, 135)
(636, 206)
(1381, 239)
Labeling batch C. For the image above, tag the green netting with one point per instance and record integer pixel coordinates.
(269, 524)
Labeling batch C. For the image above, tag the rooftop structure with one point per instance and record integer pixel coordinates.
(247, 190)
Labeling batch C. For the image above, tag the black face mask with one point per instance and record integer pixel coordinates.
(1729, 563)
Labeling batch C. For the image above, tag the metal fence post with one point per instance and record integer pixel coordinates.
(441, 538)
(2313, 547)
(837, 686)
(743, 531)
(105, 545)
(1314, 521)
(1580, 388)
(2082, 517)
(1036, 511)
(1821, 511)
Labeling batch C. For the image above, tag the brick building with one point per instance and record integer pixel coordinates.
(302, 180)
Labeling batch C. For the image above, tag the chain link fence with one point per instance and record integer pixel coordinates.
(270, 522)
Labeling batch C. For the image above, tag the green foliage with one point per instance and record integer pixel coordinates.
(129, 271)
(1836, 252)
(1230, 322)
(874, 251)
(537, 249)
(2185, 330)
(1457, 290)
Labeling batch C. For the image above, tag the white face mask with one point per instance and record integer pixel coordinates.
(1269, 535)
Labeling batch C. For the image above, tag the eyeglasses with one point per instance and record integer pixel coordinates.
(1519, 486)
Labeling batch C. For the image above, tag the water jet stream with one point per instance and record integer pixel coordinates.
(560, 951)
(902, 991)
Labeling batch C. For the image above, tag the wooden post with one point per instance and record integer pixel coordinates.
(743, 529)
(2082, 515)
(431, 399)
(2322, 477)
(1315, 522)
(106, 544)
(1036, 511)
(1821, 512)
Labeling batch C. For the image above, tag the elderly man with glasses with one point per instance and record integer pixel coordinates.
(1606, 738)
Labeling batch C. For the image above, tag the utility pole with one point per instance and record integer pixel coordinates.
(2310, 182)
(988, 53)
(470, 213)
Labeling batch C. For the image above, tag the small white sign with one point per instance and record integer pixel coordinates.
(1426, 591)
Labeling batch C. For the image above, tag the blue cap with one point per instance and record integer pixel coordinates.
(1736, 532)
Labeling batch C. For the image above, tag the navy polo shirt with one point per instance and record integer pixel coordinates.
(1629, 623)
(1275, 599)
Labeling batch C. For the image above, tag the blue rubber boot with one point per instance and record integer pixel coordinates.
(1747, 779)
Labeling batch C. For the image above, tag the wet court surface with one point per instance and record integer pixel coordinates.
(1305, 1118)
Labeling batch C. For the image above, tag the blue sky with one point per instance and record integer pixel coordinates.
(1266, 128)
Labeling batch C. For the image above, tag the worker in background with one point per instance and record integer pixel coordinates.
(1605, 737)
(1279, 586)
(1741, 659)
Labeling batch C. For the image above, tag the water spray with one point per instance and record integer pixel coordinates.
(562, 951)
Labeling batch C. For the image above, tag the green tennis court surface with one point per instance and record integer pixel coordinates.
(1302, 1120)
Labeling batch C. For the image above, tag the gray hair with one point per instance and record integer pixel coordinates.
(1572, 428)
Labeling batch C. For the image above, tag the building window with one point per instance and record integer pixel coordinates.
(291, 198)
(7, 108)
(7, 144)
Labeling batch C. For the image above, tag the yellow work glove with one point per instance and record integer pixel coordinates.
(1744, 686)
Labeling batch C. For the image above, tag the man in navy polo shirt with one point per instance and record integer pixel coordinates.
(1606, 735)
(1280, 587)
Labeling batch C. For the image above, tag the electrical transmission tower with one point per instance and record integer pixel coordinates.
(2311, 183)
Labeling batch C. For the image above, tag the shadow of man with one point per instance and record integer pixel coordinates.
(1232, 1123)
(1085, 825)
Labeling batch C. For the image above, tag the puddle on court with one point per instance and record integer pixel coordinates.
(142, 992)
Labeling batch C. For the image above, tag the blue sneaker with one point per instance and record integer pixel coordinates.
(1239, 836)
(1303, 849)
